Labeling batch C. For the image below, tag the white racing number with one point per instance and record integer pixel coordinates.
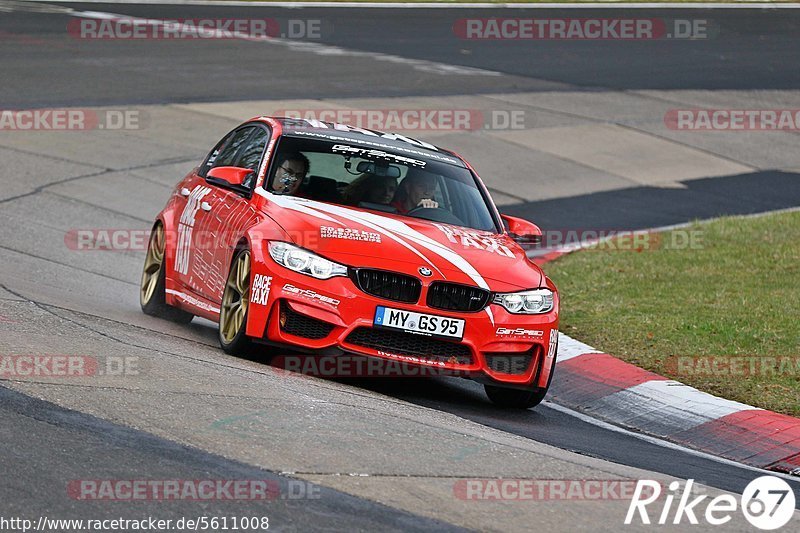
(186, 226)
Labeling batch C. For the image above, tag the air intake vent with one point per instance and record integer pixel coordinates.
(511, 363)
(302, 325)
(401, 343)
(388, 285)
(456, 297)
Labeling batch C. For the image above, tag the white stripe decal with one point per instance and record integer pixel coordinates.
(439, 249)
(191, 300)
(357, 217)
(292, 203)
(491, 315)
(288, 203)
(389, 225)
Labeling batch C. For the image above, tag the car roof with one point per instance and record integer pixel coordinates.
(302, 128)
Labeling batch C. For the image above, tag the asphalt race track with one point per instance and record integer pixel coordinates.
(594, 152)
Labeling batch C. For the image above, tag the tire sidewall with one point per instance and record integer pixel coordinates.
(240, 340)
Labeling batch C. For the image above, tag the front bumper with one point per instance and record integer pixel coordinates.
(334, 316)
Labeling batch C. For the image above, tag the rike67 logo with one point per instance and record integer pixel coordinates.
(767, 503)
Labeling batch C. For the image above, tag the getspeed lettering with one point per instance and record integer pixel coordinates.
(308, 293)
(520, 332)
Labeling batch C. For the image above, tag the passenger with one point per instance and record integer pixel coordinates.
(416, 190)
(370, 188)
(292, 169)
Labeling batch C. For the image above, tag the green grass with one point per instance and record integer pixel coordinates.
(736, 295)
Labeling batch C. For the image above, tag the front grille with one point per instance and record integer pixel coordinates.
(402, 343)
(303, 325)
(510, 363)
(456, 297)
(388, 285)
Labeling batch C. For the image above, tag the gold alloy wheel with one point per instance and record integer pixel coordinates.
(152, 265)
(235, 298)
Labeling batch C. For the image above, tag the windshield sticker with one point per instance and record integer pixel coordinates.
(366, 153)
(338, 138)
(391, 136)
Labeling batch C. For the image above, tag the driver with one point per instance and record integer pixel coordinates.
(416, 190)
(292, 169)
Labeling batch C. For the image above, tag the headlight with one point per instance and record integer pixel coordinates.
(303, 261)
(533, 302)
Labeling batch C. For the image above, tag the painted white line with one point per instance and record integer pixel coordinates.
(569, 348)
(701, 403)
(766, 4)
(304, 46)
(659, 406)
(660, 442)
(663, 407)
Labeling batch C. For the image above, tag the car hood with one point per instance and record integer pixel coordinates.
(362, 238)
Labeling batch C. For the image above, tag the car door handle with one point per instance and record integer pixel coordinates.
(185, 192)
(205, 206)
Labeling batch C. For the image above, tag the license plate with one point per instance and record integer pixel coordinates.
(438, 326)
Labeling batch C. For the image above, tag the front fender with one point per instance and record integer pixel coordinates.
(261, 268)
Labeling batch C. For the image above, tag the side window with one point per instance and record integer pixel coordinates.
(224, 155)
(251, 153)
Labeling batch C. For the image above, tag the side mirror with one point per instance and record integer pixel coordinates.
(522, 231)
(229, 176)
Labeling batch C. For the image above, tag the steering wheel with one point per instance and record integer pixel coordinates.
(436, 214)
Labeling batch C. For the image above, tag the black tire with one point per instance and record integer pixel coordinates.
(154, 303)
(515, 398)
(233, 340)
(520, 398)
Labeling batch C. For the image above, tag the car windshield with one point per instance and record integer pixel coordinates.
(380, 177)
